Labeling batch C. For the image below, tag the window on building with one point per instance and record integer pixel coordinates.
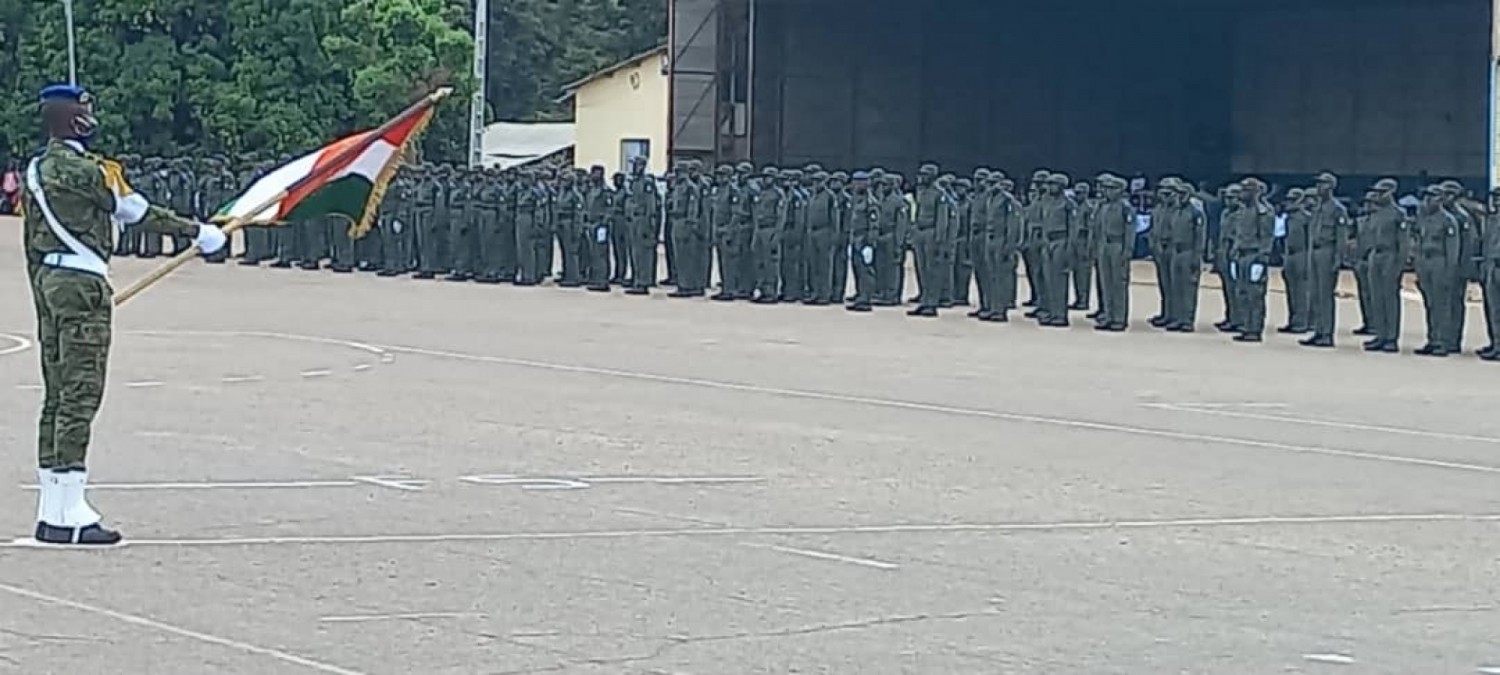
(632, 148)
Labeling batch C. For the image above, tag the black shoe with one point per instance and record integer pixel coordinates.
(913, 300)
(923, 311)
(815, 302)
(341, 269)
(1094, 314)
(1115, 327)
(1373, 345)
(247, 262)
(1248, 337)
(1181, 327)
(980, 314)
(669, 281)
(1054, 322)
(859, 307)
(1226, 327)
(883, 303)
(1078, 307)
(1488, 349)
(1159, 321)
(1364, 330)
(309, 266)
(1323, 341)
(1490, 356)
(679, 293)
(424, 275)
(487, 279)
(996, 317)
(1389, 347)
(569, 284)
(945, 304)
(724, 297)
(766, 300)
(519, 282)
(93, 535)
(1432, 350)
(637, 290)
(601, 288)
(279, 264)
(1033, 314)
(1292, 330)
(387, 273)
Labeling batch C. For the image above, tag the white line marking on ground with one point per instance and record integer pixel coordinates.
(412, 616)
(21, 344)
(320, 372)
(1338, 659)
(822, 555)
(385, 356)
(362, 367)
(934, 528)
(222, 485)
(236, 379)
(667, 516)
(1213, 406)
(144, 622)
(144, 384)
(405, 483)
(1489, 670)
(1333, 424)
(952, 410)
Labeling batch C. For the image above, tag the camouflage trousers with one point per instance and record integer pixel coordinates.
(73, 316)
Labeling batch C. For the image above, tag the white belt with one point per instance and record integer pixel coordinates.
(71, 261)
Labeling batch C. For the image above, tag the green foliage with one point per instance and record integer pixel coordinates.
(263, 78)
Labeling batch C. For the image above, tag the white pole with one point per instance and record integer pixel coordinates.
(72, 44)
(476, 103)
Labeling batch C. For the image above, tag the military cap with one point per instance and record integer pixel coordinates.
(1295, 193)
(981, 174)
(1039, 175)
(839, 175)
(820, 175)
(792, 173)
(724, 169)
(1006, 182)
(1432, 190)
(1326, 177)
(945, 178)
(861, 175)
(964, 182)
(1253, 183)
(928, 169)
(877, 173)
(1386, 185)
(63, 93)
(1058, 178)
(769, 170)
(1111, 180)
(1234, 189)
(813, 167)
(1451, 186)
(744, 167)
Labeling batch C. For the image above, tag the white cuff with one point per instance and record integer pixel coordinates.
(131, 208)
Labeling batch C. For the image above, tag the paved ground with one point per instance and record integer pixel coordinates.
(356, 475)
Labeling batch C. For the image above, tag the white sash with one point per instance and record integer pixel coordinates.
(80, 257)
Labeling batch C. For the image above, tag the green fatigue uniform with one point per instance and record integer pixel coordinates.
(1160, 241)
(1383, 241)
(794, 240)
(1012, 234)
(1114, 219)
(1084, 242)
(508, 257)
(432, 224)
(1328, 229)
(1489, 278)
(1250, 263)
(596, 209)
(257, 239)
(1468, 260)
(1222, 251)
(927, 207)
(963, 242)
(1437, 264)
(71, 217)
(864, 237)
(184, 198)
(1055, 214)
(398, 217)
(462, 233)
(547, 228)
(573, 230)
(340, 244)
(822, 233)
(159, 190)
(619, 232)
(530, 202)
(692, 234)
(768, 209)
(840, 267)
(1188, 239)
(1294, 266)
(721, 208)
(643, 218)
(892, 228)
(983, 234)
(1031, 244)
(485, 233)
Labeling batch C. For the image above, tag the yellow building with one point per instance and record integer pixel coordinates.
(622, 111)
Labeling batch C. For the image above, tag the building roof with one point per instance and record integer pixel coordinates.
(570, 88)
(510, 144)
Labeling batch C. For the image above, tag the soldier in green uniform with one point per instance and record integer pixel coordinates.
(975, 248)
(721, 204)
(1083, 242)
(793, 238)
(1054, 213)
(1384, 241)
(927, 205)
(432, 223)
(1114, 219)
(530, 201)
(1221, 249)
(1327, 230)
(838, 186)
(158, 188)
(893, 219)
(72, 209)
(963, 253)
(485, 226)
(460, 233)
(257, 239)
(864, 217)
(1189, 238)
(1489, 275)
(822, 233)
(216, 185)
(1468, 259)
(692, 233)
(1031, 245)
(1295, 263)
(768, 210)
(184, 184)
(596, 218)
(643, 218)
(1437, 264)
(1160, 240)
(571, 227)
(1250, 261)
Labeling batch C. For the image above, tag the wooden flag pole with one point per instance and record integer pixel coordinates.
(236, 224)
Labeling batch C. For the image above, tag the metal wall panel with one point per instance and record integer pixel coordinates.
(695, 68)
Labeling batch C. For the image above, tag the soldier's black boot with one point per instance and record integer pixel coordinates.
(282, 264)
(64, 516)
(1485, 350)
(424, 275)
(250, 262)
(925, 311)
(458, 276)
(341, 269)
(724, 296)
(311, 265)
(1364, 330)
(1248, 337)
(92, 535)
(1159, 321)
(1228, 327)
(1492, 355)
(1180, 327)
(1430, 349)
(1323, 341)
(858, 306)
(388, 272)
(637, 290)
(680, 293)
(1290, 329)
(599, 288)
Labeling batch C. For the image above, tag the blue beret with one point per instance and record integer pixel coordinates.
(63, 92)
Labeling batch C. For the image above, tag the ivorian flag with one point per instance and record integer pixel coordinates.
(347, 177)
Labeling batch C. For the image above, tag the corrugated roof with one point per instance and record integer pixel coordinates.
(571, 87)
(511, 144)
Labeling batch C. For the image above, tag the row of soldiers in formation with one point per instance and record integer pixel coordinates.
(799, 235)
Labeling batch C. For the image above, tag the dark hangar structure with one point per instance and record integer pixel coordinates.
(1204, 88)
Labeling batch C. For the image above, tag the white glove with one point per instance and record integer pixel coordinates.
(601, 235)
(210, 238)
(868, 255)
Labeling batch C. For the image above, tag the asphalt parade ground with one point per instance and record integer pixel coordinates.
(345, 474)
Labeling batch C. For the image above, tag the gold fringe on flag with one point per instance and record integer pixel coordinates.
(383, 179)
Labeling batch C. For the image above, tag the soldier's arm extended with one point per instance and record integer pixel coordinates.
(84, 180)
